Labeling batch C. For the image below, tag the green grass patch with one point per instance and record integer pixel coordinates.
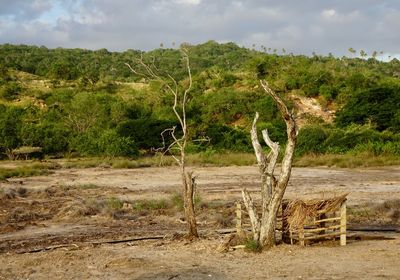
(25, 171)
(88, 186)
(177, 200)
(221, 159)
(153, 204)
(253, 245)
(114, 203)
(197, 159)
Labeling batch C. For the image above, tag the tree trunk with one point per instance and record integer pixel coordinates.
(189, 191)
(179, 109)
(272, 189)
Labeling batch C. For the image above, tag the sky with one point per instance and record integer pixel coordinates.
(301, 27)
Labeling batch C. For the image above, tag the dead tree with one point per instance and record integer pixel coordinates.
(272, 188)
(179, 143)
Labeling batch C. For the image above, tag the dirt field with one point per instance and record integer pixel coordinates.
(57, 226)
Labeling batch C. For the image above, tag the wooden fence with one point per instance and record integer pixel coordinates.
(326, 224)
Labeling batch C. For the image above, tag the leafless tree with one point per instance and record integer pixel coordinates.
(180, 94)
(272, 187)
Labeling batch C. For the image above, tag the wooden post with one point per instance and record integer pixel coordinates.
(284, 224)
(323, 223)
(239, 229)
(343, 222)
(301, 236)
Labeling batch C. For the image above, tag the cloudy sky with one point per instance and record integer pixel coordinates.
(302, 26)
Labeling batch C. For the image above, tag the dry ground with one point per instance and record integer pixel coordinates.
(71, 211)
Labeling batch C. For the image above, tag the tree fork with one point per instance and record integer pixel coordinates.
(272, 189)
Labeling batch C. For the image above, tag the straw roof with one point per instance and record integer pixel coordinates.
(298, 211)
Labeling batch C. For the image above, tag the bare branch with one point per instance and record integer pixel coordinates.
(251, 209)
(272, 159)
(291, 133)
(180, 100)
(257, 146)
(134, 71)
(170, 146)
(272, 190)
(186, 57)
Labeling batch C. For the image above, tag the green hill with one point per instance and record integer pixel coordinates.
(90, 103)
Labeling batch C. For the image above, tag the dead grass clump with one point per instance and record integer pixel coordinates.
(19, 214)
(385, 213)
(234, 240)
(22, 192)
(390, 209)
(224, 220)
(58, 191)
(297, 211)
(52, 191)
(11, 193)
(77, 209)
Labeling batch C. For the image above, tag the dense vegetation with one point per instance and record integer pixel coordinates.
(81, 102)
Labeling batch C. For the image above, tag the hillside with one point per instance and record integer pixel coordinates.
(74, 101)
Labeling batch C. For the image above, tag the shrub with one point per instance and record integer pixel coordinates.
(311, 140)
(145, 132)
(378, 105)
(111, 144)
(253, 245)
(10, 90)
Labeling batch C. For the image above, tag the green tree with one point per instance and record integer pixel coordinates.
(378, 105)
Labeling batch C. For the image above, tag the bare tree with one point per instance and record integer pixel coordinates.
(180, 95)
(272, 188)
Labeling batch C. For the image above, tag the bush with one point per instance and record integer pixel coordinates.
(343, 140)
(10, 91)
(225, 137)
(379, 106)
(51, 136)
(145, 132)
(111, 144)
(311, 140)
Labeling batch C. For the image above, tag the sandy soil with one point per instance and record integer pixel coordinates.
(363, 184)
(199, 260)
(80, 257)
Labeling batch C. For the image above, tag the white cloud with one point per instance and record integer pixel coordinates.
(328, 13)
(188, 2)
(301, 26)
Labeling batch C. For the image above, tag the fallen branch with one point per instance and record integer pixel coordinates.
(128, 240)
(37, 250)
(47, 248)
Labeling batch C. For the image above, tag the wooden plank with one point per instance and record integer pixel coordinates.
(317, 236)
(343, 223)
(323, 220)
(322, 229)
(239, 229)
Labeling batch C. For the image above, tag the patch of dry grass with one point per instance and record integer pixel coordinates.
(346, 160)
(198, 159)
(387, 212)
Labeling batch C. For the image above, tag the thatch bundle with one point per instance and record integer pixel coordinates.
(297, 211)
